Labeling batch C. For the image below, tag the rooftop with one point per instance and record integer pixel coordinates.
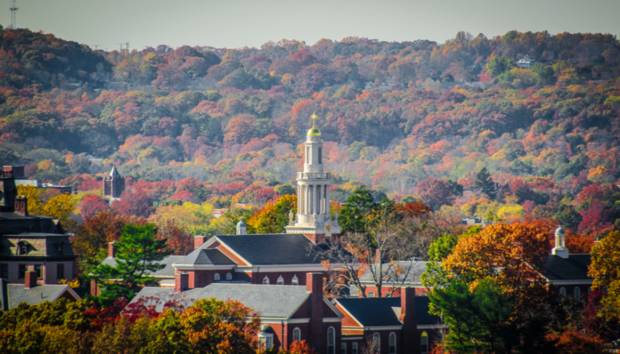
(573, 268)
(18, 294)
(273, 249)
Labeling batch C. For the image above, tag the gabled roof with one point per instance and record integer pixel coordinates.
(269, 301)
(573, 268)
(272, 249)
(401, 272)
(205, 256)
(18, 294)
(166, 271)
(373, 311)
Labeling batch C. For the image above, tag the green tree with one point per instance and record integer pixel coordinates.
(476, 316)
(138, 253)
(358, 208)
(485, 183)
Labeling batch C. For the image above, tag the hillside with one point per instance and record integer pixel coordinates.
(396, 116)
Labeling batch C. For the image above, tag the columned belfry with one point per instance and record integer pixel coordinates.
(313, 218)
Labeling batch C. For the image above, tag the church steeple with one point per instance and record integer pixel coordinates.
(313, 218)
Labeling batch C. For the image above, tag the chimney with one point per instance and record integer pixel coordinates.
(111, 249)
(4, 295)
(241, 228)
(21, 205)
(407, 296)
(314, 284)
(199, 240)
(181, 281)
(408, 318)
(560, 249)
(30, 278)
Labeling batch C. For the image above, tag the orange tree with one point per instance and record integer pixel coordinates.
(489, 292)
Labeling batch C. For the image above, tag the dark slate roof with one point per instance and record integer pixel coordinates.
(401, 272)
(273, 249)
(373, 311)
(13, 223)
(18, 294)
(205, 256)
(575, 267)
(269, 301)
(167, 271)
(420, 310)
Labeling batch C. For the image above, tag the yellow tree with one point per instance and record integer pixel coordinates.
(60, 206)
(605, 271)
(33, 195)
(274, 216)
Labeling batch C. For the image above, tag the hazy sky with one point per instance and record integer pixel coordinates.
(239, 23)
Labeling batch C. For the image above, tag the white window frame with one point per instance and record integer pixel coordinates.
(265, 280)
(228, 276)
(424, 342)
(216, 277)
(265, 341)
(296, 334)
(392, 343)
(331, 340)
(577, 293)
(295, 280)
(280, 280)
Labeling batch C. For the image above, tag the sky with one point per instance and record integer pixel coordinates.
(105, 24)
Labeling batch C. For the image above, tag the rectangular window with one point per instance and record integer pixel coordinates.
(4, 271)
(343, 348)
(354, 348)
(320, 155)
(60, 271)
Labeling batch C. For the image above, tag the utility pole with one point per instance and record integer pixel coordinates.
(13, 8)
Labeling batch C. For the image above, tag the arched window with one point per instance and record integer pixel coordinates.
(563, 291)
(228, 276)
(577, 293)
(296, 334)
(216, 277)
(376, 343)
(423, 342)
(266, 280)
(331, 340)
(392, 343)
(280, 280)
(295, 280)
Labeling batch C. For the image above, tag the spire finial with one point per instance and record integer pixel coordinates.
(314, 131)
(314, 117)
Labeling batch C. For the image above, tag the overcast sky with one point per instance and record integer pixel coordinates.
(239, 23)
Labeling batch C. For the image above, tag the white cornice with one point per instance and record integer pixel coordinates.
(201, 266)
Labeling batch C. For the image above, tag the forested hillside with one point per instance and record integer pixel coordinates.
(409, 118)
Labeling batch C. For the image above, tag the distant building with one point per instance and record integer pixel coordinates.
(28, 241)
(565, 272)
(21, 180)
(113, 185)
(30, 293)
(287, 312)
(525, 62)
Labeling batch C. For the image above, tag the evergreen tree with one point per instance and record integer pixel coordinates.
(138, 253)
(485, 183)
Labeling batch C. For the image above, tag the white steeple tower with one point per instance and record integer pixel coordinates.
(313, 219)
(560, 249)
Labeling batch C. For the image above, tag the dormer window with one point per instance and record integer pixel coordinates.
(22, 248)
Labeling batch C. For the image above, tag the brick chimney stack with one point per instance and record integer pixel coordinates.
(407, 317)
(199, 240)
(30, 278)
(111, 249)
(314, 284)
(181, 281)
